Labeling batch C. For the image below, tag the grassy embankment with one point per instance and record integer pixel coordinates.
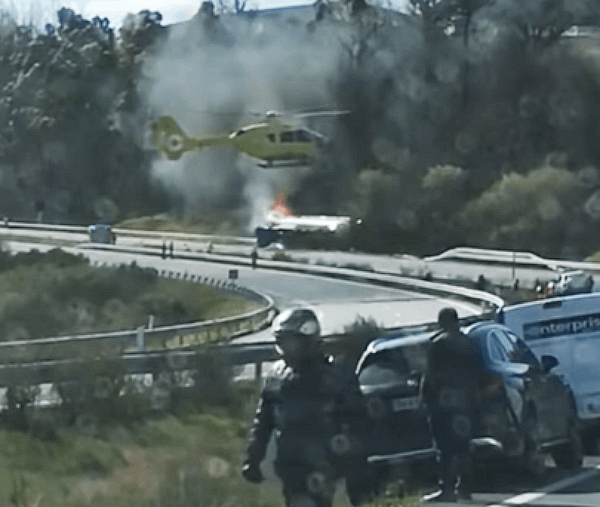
(59, 294)
(130, 453)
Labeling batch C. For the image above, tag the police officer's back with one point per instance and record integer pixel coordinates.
(451, 392)
(317, 414)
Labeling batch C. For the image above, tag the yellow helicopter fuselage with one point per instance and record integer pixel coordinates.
(269, 141)
(272, 142)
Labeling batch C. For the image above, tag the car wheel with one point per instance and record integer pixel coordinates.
(533, 460)
(570, 455)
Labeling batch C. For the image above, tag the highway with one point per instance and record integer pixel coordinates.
(341, 302)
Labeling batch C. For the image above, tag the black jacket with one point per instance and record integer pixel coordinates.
(317, 414)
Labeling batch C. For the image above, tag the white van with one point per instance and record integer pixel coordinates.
(568, 328)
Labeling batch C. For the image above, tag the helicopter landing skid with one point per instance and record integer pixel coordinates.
(283, 164)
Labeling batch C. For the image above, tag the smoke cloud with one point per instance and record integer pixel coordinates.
(217, 74)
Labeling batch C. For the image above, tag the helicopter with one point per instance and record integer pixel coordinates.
(272, 142)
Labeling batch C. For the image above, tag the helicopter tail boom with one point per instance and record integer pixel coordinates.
(170, 139)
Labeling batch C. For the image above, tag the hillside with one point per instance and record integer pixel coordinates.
(470, 123)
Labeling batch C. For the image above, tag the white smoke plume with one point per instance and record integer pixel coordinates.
(214, 75)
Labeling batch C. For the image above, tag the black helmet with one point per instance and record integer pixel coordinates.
(297, 333)
(447, 317)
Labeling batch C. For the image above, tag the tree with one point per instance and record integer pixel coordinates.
(452, 17)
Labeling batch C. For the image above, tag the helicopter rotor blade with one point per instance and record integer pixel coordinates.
(312, 114)
(298, 114)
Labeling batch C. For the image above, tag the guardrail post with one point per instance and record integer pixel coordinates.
(140, 340)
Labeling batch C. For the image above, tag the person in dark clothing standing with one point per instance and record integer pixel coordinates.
(254, 257)
(451, 393)
(317, 413)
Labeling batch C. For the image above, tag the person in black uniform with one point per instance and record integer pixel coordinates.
(317, 412)
(451, 393)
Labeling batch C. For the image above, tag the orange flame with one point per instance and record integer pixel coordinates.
(280, 207)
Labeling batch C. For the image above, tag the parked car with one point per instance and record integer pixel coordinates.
(390, 374)
(526, 410)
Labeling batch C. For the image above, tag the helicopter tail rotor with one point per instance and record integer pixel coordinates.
(169, 138)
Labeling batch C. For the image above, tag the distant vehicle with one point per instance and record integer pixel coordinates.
(570, 282)
(526, 410)
(567, 327)
(101, 233)
(273, 142)
(305, 231)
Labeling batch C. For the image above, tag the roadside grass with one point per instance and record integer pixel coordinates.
(53, 294)
(216, 223)
(595, 257)
(191, 460)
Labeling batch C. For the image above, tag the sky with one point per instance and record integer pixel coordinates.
(173, 11)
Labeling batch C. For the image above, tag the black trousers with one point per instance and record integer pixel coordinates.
(306, 487)
(452, 432)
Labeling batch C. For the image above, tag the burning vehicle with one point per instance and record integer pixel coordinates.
(305, 231)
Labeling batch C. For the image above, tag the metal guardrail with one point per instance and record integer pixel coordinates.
(56, 370)
(119, 342)
(509, 257)
(244, 240)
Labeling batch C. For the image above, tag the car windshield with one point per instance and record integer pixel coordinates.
(377, 374)
(387, 366)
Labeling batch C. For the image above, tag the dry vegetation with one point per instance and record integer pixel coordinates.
(57, 294)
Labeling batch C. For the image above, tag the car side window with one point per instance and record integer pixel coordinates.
(496, 350)
(521, 353)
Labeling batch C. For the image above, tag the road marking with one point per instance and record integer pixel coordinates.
(525, 498)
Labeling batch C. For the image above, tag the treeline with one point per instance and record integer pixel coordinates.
(65, 95)
(472, 122)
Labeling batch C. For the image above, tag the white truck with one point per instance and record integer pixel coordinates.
(567, 327)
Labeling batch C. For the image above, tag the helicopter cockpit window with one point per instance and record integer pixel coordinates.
(286, 137)
(296, 136)
(271, 137)
(302, 136)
